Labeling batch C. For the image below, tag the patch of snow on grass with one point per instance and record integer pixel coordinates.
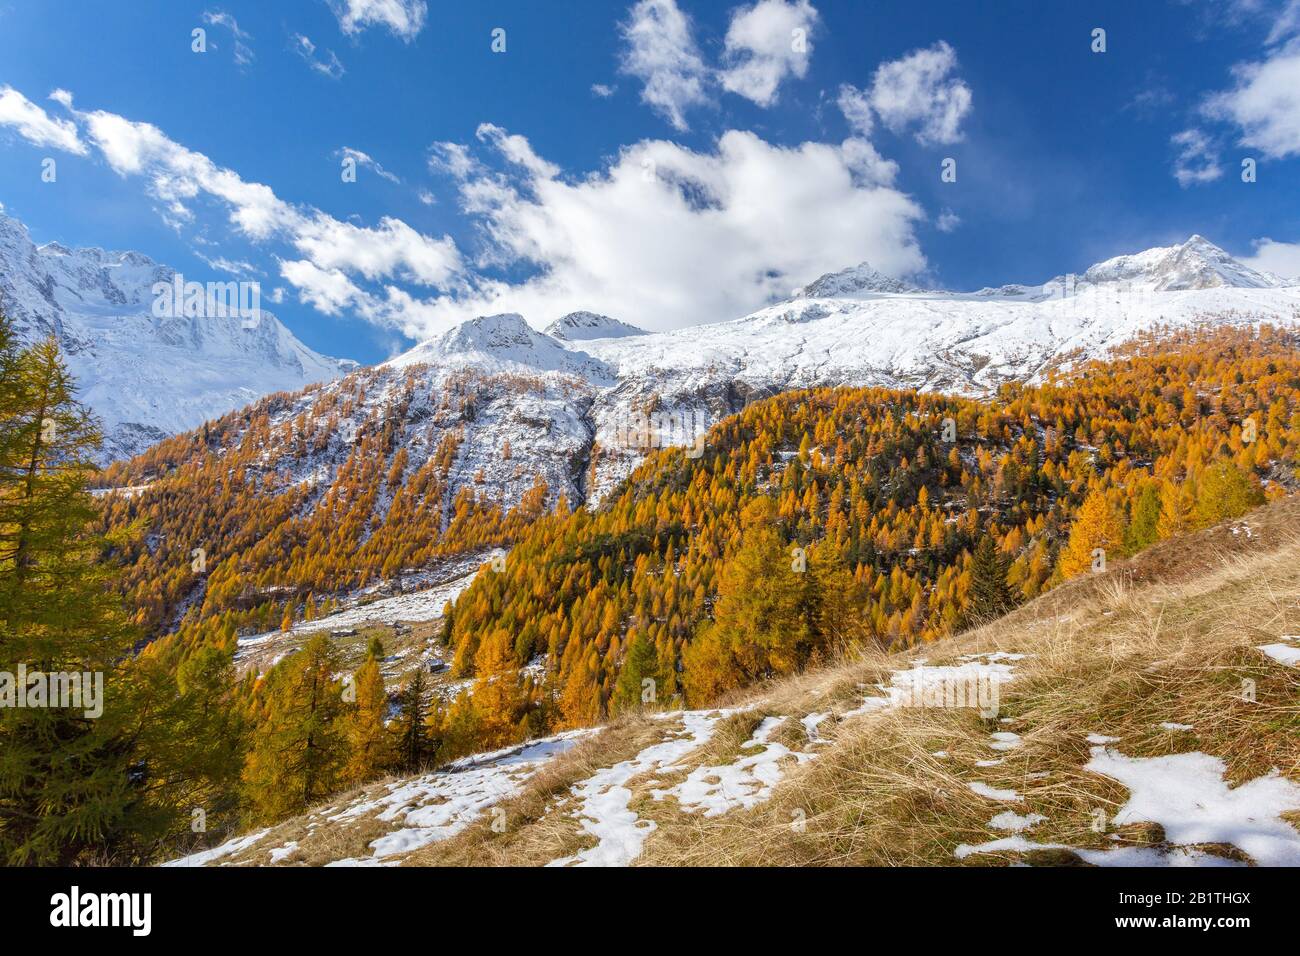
(984, 790)
(973, 683)
(1187, 795)
(436, 806)
(1015, 844)
(810, 724)
(1285, 654)
(1176, 856)
(1121, 856)
(1007, 820)
(229, 848)
(284, 852)
(745, 783)
(604, 811)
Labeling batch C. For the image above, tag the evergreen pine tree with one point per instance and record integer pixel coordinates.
(1224, 491)
(414, 748)
(371, 749)
(640, 663)
(990, 596)
(65, 792)
(1144, 518)
(297, 748)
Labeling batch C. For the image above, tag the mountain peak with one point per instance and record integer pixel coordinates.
(1195, 264)
(581, 326)
(855, 279)
(503, 343)
(494, 330)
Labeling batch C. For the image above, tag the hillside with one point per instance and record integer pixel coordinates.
(1126, 733)
(815, 525)
(302, 500)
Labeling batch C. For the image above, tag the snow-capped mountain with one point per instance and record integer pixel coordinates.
(502, 344)
(580, 326)
(854, 328)
(859, 278)
(145, 377)
(518, 404)
(1194, 264)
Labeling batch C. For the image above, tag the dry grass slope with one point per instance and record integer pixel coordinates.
(1165, 639)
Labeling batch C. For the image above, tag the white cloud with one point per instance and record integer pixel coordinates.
(219, 18)
(766, 43)
(1197, 162)
(327, 290)
(333, 250)
(948, 221)
(177, 175)
(661, 52)
(327, 64)
(1286, 22)
(452, 158)
(1280, 258)
(35, 125)
(662, 235)
(233, 266)
(1265, 103)
(392, 249)
(867, 164)
(405, 18)
(365, 160)
(856, 107)
(603, 90)
(666, 237)
(517, 150)
(919, 92)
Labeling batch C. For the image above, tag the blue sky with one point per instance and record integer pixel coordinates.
(663, 162)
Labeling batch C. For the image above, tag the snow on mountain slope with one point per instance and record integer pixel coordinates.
(580, 414)
(1194, 264)
(922, 340)
(145, 377)
(501, 344)
(859, 278)
(580, 326)
(848, 328)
